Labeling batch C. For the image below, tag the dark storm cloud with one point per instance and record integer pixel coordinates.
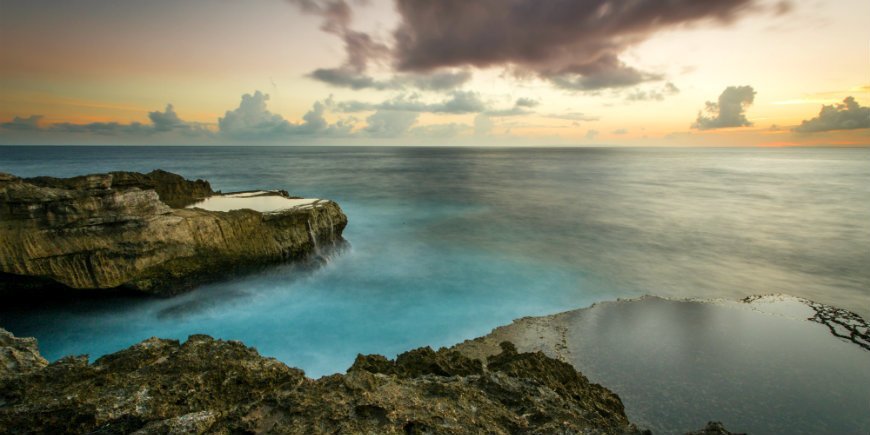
(846, 116)
(729, 111)
(437, 81)
(253, 120)
(360, 48)
(576, 44)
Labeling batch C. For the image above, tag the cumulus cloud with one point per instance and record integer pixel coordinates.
(576, 44)
(846, 116)
(729, 111)
(591, 134)
(390, 123)
(166, 120)
(31, 123)
(253, 120)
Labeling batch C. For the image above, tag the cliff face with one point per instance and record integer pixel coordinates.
(118, 231)
(214, 386)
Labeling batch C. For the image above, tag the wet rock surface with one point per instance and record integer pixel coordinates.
(212, 386)
(127, 231)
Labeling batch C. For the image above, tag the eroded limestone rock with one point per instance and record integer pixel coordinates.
(120, 231)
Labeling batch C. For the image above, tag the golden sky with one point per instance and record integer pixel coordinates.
(455, 72)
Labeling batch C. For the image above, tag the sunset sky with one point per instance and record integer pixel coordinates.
(452, 72)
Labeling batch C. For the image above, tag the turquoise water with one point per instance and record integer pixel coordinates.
(447, 243)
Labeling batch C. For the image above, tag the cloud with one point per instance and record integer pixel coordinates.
(653, 94)
(344, 77)
(103, 128)
(526, 102)
(571, 116)
(161, 122)
(729, 111)
(167, 120)
(576, 44)
(521, 107)
(846, 116)
(347, 78)
(458, 102)
(620, 131)
(440, 131)
(436, 81)
(361, 50)
(390, 123)
(252, 120)
(591, 134)
(31, 123)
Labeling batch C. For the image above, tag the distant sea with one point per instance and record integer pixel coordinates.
(447, 243)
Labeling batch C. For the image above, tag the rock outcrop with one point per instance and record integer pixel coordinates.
(214, 386)
(127, 231)
(18, 355)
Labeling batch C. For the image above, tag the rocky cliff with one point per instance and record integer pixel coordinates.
(127, 231)
(212, 386)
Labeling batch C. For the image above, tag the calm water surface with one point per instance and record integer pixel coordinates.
(448, 243)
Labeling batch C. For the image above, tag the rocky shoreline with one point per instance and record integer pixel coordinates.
(213, 386)
(127, 231)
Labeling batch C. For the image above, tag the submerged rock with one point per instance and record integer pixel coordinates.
(215, 386)
(127, 231)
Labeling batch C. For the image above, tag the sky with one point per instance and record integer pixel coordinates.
(451, 72)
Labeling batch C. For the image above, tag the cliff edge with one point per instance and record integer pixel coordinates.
(130, 231)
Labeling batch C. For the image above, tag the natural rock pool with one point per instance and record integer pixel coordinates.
(263, 201)
(760, 366)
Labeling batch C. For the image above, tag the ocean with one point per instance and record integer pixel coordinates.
(447, 243)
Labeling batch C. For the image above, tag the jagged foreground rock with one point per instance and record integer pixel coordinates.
(126, 230)
(213, 386)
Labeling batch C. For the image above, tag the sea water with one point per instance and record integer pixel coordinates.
(447, 243)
